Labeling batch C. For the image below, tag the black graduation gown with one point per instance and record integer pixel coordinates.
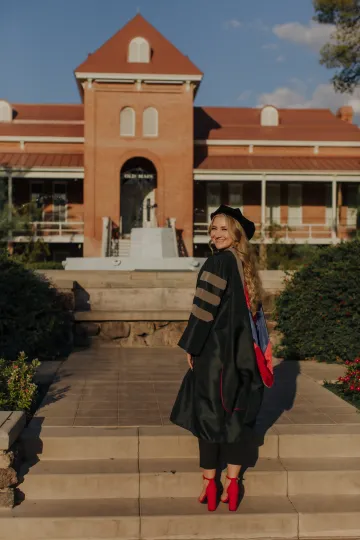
(219, 399)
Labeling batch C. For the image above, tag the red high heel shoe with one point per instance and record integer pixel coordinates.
(232, 494)
(210, 494)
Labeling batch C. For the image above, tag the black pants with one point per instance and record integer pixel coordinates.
(213, 454)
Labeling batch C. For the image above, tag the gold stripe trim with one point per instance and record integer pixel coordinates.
(201, 313)
(207, 296)
(213, 279)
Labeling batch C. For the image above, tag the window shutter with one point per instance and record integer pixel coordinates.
(295, 205)
(273, 203)
(236, 195)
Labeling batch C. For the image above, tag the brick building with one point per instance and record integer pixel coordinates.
(137, 151)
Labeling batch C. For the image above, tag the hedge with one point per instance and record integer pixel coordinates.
(318, 312)
(34, 316)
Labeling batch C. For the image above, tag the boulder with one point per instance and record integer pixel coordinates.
(7, 498)
(133, 341)
(142, 328)
(6, 459)
(115, 330)
(167, 336)
(7, 477)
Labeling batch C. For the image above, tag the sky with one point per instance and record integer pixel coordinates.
(251, 52)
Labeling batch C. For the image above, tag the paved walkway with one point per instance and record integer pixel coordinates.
(107, 386)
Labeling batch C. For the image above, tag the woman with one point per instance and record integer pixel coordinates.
(228, 352)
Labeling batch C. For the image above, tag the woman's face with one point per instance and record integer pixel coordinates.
(219, 233)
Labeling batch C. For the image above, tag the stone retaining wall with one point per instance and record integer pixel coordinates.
(11, 426)
(8, 479)
(133, 333)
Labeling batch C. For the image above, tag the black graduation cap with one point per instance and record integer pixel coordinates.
(247, 225)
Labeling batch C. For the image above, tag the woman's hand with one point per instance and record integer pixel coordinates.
(190, 360)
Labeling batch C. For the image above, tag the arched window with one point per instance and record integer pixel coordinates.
(269, 116)
(150, 122)
(139, 50)
(5, 111)
(127, 122)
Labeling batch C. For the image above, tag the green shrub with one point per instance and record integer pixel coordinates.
(318, 312)
(348, 387)
(34, 316)
(45, 265)
(17, 388)
(285, 257)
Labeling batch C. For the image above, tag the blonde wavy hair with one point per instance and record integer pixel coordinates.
(248, 258)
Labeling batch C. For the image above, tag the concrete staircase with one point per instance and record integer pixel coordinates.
(120, 248)
(130, 483)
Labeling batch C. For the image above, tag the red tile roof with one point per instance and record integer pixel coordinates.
(12, 129)
(270, 163)
(48, 112)
(231, 123)
(28, 161)
(112, 56)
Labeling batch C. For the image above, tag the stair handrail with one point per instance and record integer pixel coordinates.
(172, 222)
(106, 237)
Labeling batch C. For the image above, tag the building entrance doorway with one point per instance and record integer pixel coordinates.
(138, 178)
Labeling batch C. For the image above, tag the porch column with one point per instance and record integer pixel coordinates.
(334, 220)
(263, 206)
(10, 207)
(10, 196)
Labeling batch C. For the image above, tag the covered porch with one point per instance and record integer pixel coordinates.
(294, 208)
(49, 198)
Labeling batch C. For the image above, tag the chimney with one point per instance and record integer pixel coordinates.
(346, 114)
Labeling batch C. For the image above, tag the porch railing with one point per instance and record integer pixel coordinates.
(287, 232)
(43, 229)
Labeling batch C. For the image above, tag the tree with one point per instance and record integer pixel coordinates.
(343, 52)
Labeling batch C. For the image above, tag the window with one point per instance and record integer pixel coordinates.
(273, 204)
(353, 204)
(269, 116)
(59, 201)
(139, 51)
(37, 200)
(5, 111)
(150, 122)
(213, 198)
(295, 205)
(328, 205)
(236, 195)
(127, 122)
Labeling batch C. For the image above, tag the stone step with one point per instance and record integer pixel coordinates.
(80, 479)
(319, 441)
(181, 478)
(175, 443)
(284, 441)
(71, 519)
(257, 517)
(328, 516)
(109, 479)
(79, 443)
(270, 517)
(171, 518)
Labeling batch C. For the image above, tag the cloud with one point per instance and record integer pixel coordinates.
(244, 95)
(313, 35)
(233, 23)
(270, 47)
(323, 97)
(258, 25)
(281, 58)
